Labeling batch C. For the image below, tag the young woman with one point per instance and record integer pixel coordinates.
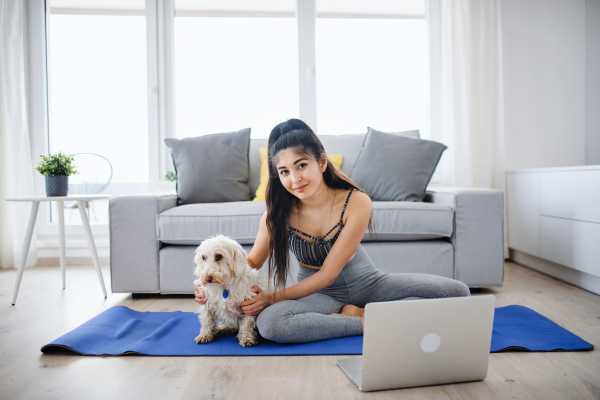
(319, 213)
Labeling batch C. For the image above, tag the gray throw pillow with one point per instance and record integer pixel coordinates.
(212, 168)
(415, 134)
(396, 168)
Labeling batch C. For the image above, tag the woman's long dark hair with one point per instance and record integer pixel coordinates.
(296, 135)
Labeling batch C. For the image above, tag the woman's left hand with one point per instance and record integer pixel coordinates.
(256, 304)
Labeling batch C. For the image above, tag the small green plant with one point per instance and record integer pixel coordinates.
(56, 164)
(170, 176)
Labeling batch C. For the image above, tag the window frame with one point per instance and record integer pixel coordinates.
(160, 21)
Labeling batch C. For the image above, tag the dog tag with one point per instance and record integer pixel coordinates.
(225, 294)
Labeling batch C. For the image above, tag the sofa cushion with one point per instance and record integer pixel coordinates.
(413, 134)
(347, 145)
(407, 220)
(396, 168)
(192, 223)
(394, 221)
(212, 168)
(255, 163)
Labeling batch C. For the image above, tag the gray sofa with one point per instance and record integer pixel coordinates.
(454, 232)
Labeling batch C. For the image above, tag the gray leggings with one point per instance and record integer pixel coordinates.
(307, 320)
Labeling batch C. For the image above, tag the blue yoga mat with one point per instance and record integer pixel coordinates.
(120, 330)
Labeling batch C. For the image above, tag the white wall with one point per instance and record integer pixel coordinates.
(544, 45)
(592, 81)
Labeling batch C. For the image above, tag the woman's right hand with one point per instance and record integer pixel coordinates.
(199, 295)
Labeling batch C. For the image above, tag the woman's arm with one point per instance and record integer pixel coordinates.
(358, 214)
(260, 250)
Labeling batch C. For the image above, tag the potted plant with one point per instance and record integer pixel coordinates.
(170, 176)
(56, 168)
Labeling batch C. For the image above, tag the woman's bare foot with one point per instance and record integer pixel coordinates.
(350, 310)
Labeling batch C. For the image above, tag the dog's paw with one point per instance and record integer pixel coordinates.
(248, 342)
(204, 337)
(248, 339)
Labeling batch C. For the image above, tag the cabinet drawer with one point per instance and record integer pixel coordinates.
(571, 243)
(571, 194)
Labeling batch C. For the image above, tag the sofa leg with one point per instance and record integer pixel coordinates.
(476, 290)
(139, 295)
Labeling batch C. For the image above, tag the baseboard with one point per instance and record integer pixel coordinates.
(71, 261)
(582, 280)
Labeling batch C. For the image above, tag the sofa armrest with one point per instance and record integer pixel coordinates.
(478, 234)
(134, 266)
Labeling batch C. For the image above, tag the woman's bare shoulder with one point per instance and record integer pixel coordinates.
(360, 197)
(359, 202)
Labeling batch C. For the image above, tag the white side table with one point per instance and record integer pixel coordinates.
(35, 205)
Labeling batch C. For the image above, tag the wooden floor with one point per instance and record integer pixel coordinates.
(44, 312)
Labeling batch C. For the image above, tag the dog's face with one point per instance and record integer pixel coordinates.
(219, 259)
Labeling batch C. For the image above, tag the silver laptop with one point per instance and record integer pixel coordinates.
(423, 342)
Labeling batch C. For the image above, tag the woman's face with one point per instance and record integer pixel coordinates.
(300, 174)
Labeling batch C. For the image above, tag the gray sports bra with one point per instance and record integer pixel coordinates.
(310, 253)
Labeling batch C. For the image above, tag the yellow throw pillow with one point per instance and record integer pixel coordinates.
(336, 160)
(264, 176)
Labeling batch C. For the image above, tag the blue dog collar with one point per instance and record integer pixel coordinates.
(225, 293)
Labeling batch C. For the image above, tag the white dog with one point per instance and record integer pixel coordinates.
(226, 279)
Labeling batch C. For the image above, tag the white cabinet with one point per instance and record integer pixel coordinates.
(574, 244)
(554, 214)
(571, 194)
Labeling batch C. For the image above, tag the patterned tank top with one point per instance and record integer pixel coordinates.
(314, 253)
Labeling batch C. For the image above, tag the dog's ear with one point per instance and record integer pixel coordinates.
(197, 260)
(197, 271)
(240, 259)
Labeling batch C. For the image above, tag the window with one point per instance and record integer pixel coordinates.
(236, 66)
(97, 88)
(371, 62)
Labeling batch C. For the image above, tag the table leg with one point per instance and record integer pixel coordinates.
(60, 204)
(90, 240)
(25, 249)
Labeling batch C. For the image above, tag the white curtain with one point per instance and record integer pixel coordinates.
(16, 170)
(470, 89)
(471, 94)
